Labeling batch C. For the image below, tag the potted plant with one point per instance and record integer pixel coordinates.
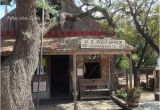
(133, 96)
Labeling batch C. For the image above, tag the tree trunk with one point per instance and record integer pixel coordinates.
(136, 79)
(135, 74)
(18, 69)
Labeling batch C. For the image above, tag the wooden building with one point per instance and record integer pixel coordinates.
(71, 65)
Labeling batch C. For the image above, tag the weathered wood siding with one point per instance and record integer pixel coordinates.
(84, 25)
(105, 67)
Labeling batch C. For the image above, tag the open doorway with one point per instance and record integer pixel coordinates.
(60, 76)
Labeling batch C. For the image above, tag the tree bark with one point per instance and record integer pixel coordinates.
(18, 69)
(136, 77)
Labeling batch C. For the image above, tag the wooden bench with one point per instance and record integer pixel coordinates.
(93, 89)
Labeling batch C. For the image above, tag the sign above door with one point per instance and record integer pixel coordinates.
(103, 43)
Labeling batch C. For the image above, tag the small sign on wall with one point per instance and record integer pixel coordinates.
(42, 86)
(79, 71)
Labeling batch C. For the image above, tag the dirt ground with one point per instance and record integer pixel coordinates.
(83, 105)
(147, 96)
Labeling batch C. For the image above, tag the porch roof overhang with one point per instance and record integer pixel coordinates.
(67, 45)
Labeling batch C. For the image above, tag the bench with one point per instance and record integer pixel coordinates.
(93, 89)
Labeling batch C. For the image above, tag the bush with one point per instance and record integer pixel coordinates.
(129, 94)
(121, 93)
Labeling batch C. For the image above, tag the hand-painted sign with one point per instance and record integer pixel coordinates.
(103, 43)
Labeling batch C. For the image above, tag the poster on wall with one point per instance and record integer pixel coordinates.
(79, 71)
(42, 86)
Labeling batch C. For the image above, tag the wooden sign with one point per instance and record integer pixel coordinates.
(42, 86)
(103, 43)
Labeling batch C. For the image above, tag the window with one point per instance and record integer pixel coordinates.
(92, 67)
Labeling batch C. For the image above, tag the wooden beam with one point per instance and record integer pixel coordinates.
(75, 81)
(130, 69)
(109, 72)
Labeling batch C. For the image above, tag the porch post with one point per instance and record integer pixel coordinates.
(75, 81)
(126, 78)
(130, 69)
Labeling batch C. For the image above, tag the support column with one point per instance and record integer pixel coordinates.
(126, 78)
(130, 69)
(75, 81)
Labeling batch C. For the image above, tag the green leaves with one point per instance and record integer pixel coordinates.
(121, 93)
(53, 9)
(129, 94)
(5, 2)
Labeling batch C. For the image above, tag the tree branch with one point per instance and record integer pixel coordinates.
(147, 37)
(50, 25)
(66, 16)
(74, 17)
(117, 11)
(146, 18)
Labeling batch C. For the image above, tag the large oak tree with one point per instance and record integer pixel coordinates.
(17, 71)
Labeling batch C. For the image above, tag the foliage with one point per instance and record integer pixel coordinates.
(129, 94)
(121, 93)
(5, 2)
(147, 16)
(53, 9)
(122, 62)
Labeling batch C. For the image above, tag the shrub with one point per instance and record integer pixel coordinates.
(121, 93)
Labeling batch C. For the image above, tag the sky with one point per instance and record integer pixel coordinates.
(13, 6)
(9, 7)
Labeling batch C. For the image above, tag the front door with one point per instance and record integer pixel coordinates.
(60, 76)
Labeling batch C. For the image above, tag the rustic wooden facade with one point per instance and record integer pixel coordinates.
(66, 65)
